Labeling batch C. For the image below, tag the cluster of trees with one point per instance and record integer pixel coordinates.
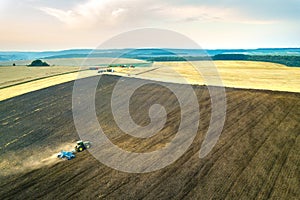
(293, 61)
(38, 63)
(176, 58)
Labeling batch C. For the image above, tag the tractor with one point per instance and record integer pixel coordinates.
(81, 146)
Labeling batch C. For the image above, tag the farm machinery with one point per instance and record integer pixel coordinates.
(66, 155)
(80, 146)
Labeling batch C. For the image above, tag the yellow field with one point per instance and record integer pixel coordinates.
(30, 86)
(76, 61)
(14, 75)
(236, 74)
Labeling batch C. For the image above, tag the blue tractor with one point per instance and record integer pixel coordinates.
(66, 155)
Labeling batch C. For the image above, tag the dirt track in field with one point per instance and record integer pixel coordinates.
(257, 155)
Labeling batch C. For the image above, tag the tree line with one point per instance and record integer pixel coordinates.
(293, 61)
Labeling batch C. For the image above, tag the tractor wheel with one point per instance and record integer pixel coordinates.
(80, 149)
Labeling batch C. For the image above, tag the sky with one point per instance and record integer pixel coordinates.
(35, 25)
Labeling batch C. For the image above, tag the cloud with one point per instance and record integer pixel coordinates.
(257, 22)
(118, 12)
(135, 13)
(88, 14)
(64, 16)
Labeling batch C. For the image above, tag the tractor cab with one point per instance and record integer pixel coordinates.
(81, 146)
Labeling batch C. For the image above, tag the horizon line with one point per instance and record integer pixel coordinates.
(58, 50)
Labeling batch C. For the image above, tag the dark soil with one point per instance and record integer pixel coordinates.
(256, 157)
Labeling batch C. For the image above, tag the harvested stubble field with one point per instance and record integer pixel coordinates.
(75, 62)
(42, 82)
(15, 75)
(11, 75)
(257, 156)
(235, 74)
(18, 80)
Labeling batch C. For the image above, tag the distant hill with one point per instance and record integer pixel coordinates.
(287, 56)
(140, 53)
